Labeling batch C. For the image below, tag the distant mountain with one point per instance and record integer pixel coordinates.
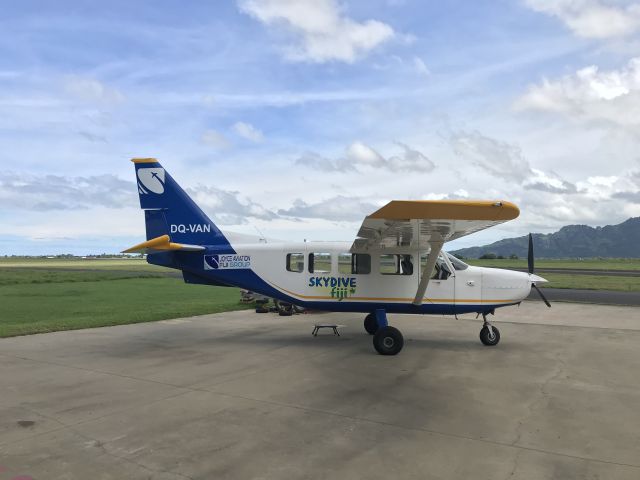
(572, 241)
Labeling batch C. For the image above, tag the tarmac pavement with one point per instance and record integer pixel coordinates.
(247, 396)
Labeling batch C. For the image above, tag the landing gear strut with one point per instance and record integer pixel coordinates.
(386, 340)
(489, 335)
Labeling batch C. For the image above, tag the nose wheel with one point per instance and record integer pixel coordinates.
(489, 335)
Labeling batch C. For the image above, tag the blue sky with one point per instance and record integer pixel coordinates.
(299, 118)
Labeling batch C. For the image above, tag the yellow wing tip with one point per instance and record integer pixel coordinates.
(144, 160)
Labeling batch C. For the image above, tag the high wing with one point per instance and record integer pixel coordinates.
(162, 244)
(418, 223)
(427, 225)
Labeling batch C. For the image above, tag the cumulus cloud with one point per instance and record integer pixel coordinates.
(359, 156)
(605, 187)
(593, 18)
(321, 30)
(92, 90)
(601, 200)
(506, 161)
(420, 66)
(92, 137)
(248, 131)
(633, 197)
(548, 182)
(318, 162)
(410, 160)
(498, 158)
(53, 192)
(228, 207)
(590, 93)
(215, 139)
(363, 155)
(338, 208)
(459, 194)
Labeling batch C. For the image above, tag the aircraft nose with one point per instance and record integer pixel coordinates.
(537, 279)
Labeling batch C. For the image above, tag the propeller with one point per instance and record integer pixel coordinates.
(530, 263)
(530, 254)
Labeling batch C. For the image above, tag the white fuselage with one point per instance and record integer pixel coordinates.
(318, 274)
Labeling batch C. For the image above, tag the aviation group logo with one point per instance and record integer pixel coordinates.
(227, 262)
(150, 180)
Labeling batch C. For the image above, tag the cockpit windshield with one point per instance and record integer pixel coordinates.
(457, 263)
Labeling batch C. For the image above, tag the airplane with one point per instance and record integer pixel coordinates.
(395, 265)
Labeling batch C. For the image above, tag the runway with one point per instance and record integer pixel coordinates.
(247, 396)
(582, 271)
(601, 297)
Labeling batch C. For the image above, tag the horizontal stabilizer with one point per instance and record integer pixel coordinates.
(162, 244)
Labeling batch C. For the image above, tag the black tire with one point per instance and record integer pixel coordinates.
(371, 324)
(262, 310)
(388, 341)
(486, 338)
(285, 309)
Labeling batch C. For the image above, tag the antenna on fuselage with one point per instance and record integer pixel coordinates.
(262, 238)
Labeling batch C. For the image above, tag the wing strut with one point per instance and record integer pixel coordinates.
(427, 271)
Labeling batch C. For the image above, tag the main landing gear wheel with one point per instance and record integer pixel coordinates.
(285, 309)
(388, 341)
(489, 335)
(371, 324)
(261, 306)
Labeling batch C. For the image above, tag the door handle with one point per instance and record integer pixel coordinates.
(471, 283)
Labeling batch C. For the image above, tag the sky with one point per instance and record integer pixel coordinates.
(296, 119)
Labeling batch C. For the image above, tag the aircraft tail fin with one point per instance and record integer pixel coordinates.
(168, 209)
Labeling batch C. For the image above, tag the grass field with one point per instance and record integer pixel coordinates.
(135, 264)
(43, 295)
(592, 282)
(50, 295)
(587, 264)
(566, 280)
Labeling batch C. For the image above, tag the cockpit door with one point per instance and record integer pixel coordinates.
(441, 288)
(468, 283)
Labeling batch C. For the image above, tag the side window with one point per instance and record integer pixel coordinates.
(361, 263)
(319, 263)
(344, 263)
(295, 262)
(440, 271)
(457, 263)
(354, 263)
(394, 264)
